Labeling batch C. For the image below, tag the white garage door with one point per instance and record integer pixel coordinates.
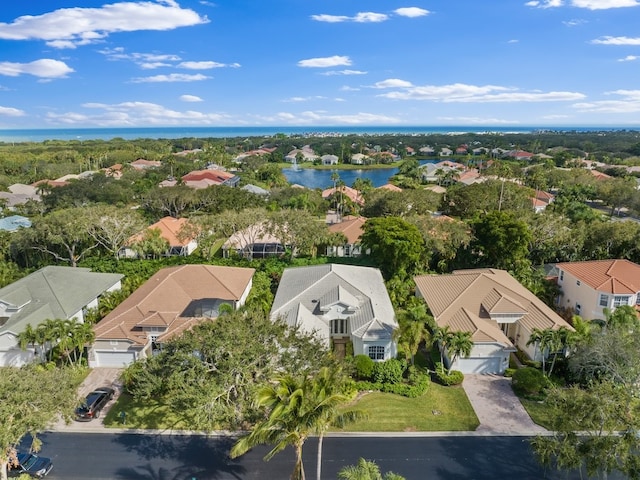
(114, 359)
(480, 365)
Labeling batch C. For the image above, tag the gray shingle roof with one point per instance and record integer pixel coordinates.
(305, 292)
(52, 292)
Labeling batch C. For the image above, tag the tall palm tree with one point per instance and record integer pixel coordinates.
(326, 396)
(459, 345)
(286, 424)
(542, 339)
(298, 406)
(440, 337)
(413, 331)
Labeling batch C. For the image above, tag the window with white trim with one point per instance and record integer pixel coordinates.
(620, 300)
(604, 300)
(578, 282)
(561, 275)
(578, 308)
(376, 352)
(638, 298)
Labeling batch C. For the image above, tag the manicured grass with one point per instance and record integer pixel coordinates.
(142, 414)
(538, 411)
(440, 409)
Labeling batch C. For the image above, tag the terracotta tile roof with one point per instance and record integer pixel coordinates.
(609, 276)
(141, 164)
(599, 175)
(163, 299)
(169, 229)
(465, 300)
(216, 176)
(353, 194)
(351, 227)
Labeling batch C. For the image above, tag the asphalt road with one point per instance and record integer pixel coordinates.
(150, 457)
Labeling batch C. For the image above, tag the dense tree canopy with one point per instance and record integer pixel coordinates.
(209, 375)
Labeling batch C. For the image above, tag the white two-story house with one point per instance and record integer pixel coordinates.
(590, 287)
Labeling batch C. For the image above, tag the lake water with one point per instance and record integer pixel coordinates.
(311, 178)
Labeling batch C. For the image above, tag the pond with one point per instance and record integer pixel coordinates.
(311, 178)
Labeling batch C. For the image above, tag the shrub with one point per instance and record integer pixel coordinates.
(525, 360)
(509, 372)
(404, 389)
(389, 371)
(529, 382)
(364, 366)
(445, 378)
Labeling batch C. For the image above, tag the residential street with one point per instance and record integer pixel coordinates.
(153, 457)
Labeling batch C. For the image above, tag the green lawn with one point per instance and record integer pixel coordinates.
(538, 412)
(440, 409)
(142, 414)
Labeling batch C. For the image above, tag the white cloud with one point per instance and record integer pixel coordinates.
(71, 27)
(343, 72)
(574, 22)
(607, 40)
(604, 4)
(144, 60)
(370, 17)
(513, 40)
(360, 17)
(11, 112)
(544, 3)
(304, 99)
(325, 62)
(190, 98)
(460, 92)
(411, 12)
(347, 88)
(323, 17)
(629, 58)
(43, 68)
(393, 83)
(205, 65)
(588, 4)
(324, 118)
(555, 117)
(628, 103)
(136, 114)
(173, 77)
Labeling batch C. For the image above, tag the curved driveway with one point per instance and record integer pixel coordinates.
(498, 409)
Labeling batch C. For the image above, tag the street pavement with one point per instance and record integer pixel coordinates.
(115, 456)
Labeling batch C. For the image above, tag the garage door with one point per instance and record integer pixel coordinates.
(480, 365)
(15, 358)
(114, 359)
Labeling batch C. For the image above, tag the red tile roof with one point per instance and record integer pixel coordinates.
(351, 227)
(609, 276)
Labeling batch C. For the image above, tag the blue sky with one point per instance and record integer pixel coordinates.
(86, 63)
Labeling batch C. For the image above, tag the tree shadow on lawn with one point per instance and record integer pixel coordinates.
(197, 456)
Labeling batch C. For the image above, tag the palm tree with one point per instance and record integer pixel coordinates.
(298, 406)
(440, 337)
(366, 470)
(413, 331)
(459, 345)
(539, 338)
(327, 398)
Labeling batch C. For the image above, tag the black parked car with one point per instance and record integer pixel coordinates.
(30, 464)
(93, 404)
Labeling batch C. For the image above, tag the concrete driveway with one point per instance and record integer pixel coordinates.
(497, 407)
(98, 377)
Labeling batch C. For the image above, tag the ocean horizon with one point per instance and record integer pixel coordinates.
(132, 133)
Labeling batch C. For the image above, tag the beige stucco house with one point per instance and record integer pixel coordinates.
(494, 307)
(591, 286)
